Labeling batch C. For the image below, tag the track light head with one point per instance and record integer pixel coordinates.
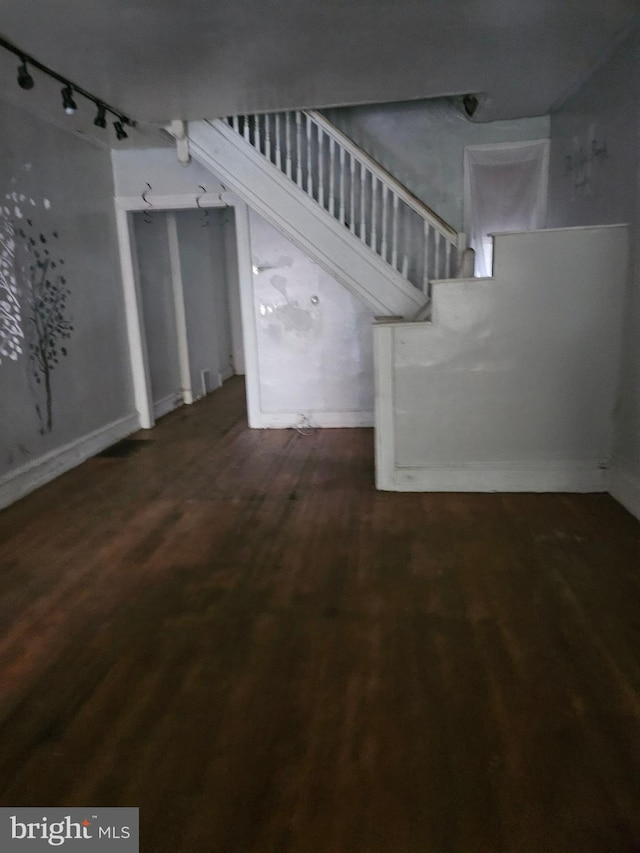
(121, 133)
(100, 120)
(68, 103)
(25, 80)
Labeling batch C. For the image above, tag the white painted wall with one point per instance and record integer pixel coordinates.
(511, 387)
(422, 144)
(133, 169)
(602, 189)
(70, 183)
(313, 338)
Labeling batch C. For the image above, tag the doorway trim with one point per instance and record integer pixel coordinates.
(138, 354)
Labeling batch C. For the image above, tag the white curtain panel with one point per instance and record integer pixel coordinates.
(505, 189)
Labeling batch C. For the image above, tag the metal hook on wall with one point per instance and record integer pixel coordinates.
(147, 217)
(204, 222)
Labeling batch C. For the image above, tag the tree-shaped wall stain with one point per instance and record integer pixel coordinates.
(48, 325)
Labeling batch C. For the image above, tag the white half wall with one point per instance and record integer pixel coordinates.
(512, 385)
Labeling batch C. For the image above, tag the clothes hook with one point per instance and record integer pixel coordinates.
(147, 217)
(205, 212)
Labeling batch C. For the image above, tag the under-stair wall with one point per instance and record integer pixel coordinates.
(511, 386)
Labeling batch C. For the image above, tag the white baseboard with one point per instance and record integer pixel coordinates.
(321, 420)
(559, 476)
(166, 404)
(624, 486)
(18, 483)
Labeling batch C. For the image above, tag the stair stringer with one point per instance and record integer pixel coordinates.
(283, 204)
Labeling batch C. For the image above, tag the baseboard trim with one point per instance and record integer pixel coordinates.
(20, 482)
(499, 477)
(320, 420)
(624, 486)
(167, 404)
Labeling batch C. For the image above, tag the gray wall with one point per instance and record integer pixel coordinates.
(422, 144)
(605, 189)
(202, 258)
(63, 185)
(594, 190)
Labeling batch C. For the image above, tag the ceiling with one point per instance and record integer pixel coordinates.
(162, 59)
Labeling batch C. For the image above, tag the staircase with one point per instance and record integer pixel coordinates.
(301, 174)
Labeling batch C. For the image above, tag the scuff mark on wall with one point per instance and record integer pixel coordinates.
(290, 314)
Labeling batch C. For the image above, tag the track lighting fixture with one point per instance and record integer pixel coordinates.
(25, 80)
(69, 105)
(100, 120)
(69, 89)
(121, 133)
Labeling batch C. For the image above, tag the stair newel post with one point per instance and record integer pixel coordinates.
(363, 212)
(436, 255)
(320, 137)
(342, 169)
(461, 247)
(447, 261)
(332, 176)
(299, 148)
(287, 142)
(384, 216)
(276, 120)
(352, 194)
(394, 233)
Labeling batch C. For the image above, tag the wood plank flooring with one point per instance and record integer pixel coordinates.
(233, 631)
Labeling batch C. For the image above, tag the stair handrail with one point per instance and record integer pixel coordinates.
(357, 191)
(385, 176)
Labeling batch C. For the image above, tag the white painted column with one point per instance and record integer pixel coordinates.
(250, 333)
(135, 326)
(177, 287)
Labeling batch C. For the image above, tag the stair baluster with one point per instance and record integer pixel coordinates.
(332, 177)
(394, 233)
(356, 191)
(299, 148)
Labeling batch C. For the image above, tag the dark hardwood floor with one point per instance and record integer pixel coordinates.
(232, 630)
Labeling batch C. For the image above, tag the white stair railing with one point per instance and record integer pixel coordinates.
(356, 191)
